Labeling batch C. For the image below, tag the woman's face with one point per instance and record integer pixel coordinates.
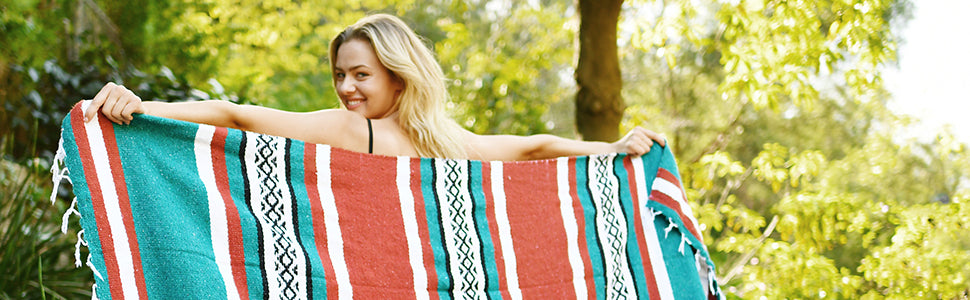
(364, 85)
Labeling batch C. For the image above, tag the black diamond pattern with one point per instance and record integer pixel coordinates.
(272, 204)
(458, 207)
(616, 235)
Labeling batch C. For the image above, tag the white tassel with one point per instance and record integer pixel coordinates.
(93, 269)
(669, 228)
(94, 287)
(710, 280)
(684, 240)
(58, 171)
(649, 215)
(77, 248)
(71, 209)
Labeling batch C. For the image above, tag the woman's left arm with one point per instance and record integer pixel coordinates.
(542, 146)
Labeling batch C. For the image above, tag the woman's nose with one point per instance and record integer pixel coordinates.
(346, 87)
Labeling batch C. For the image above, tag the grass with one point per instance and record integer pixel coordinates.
(36, 259)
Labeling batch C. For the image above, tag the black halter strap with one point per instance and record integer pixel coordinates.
(370, 138)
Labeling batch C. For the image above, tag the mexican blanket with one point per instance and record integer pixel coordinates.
(173, 210)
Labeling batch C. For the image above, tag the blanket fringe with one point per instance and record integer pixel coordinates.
(59, 174)
(71, 210)
(77, 248)
(94, 287)
(669, 228)
(58, 170)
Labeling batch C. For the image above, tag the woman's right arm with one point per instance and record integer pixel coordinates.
(325, 126)
(119, 104)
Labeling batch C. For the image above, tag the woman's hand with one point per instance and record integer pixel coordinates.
(638, 141)
(117, 103)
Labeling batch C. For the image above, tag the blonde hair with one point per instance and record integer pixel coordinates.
(421, 105)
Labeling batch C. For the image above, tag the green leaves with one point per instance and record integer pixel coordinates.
(776, 111)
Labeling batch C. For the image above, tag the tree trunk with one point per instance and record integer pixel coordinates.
(599, 105)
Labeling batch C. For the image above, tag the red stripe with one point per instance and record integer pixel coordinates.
(503, 284)
(236, 251)
(666, 200)
(581, 229)
(319, 224)
(671, 203)
(663, 173)
(654, 292)
(421, 216)
(371, 224)
(118, 174)
(543, 264)
(97, 201)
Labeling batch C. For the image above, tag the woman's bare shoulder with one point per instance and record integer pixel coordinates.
(335, 127)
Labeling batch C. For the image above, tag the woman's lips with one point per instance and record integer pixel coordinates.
(352, 104)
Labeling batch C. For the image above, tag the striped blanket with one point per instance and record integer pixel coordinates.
(173, 210)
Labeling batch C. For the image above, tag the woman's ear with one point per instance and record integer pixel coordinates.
(399, 84)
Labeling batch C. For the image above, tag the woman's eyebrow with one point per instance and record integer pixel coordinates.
(351, 68)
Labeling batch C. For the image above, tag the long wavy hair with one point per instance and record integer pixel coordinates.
(421, 105)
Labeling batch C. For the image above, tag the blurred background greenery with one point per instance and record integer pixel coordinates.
(775, 109)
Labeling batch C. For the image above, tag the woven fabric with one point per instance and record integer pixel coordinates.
(172, 210)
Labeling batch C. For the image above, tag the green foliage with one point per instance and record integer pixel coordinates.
(775, 110)
(498, 85)
(36, 259)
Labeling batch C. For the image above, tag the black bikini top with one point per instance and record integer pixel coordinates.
(370, 138)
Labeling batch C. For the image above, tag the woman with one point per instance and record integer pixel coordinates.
(394, 92)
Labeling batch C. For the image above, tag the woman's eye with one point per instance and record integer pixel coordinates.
(361, 75)
(340, 75)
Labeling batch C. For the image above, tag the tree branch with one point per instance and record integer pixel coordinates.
(738, 266)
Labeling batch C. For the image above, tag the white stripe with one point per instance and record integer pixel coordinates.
(218, 224)
(654, 252)
(289, 224)
(335, 240)
(120, 236)
(449, 218)
(504, 230)
(572, 231)
(670, 189)
(602, 198)
(415, 255)
(256, 205)
(656, 257)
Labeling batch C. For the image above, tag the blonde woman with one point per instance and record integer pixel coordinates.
(394, 94)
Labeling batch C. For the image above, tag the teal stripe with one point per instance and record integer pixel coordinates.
(159, 215)
(666, 161)
(84, 206)
(663, 158)
(687, 284)
(254, 276)
(589, 219)
(651, 161)
(477, 192)
(304, 217)
(434, 228)
(632, 247)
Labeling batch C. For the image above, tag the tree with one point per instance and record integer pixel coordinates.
(599, 105)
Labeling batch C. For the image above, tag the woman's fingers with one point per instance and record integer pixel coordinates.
(639, 141)
(128, 111)
(116, 102)
(650, 134)
(98, 101)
